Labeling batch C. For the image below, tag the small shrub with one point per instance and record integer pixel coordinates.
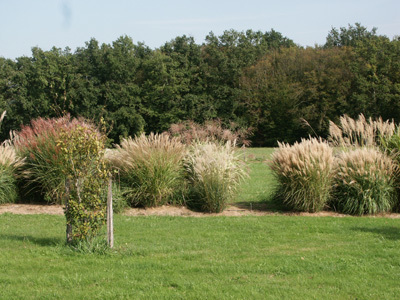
(364, 182)
(214, 172)
(304, 174)
(84, 167)
(150, 168)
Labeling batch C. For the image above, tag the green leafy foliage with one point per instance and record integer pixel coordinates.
(84, 167)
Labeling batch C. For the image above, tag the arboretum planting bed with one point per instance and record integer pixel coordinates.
(232, 210)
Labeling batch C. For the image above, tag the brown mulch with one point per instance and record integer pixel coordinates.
(232, 210)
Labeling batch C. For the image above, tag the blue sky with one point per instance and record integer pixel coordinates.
(46, 23)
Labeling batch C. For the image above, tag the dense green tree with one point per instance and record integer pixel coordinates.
(375, 89)
(107, 87)
(350, 36)
(225, 58)
(291, 85)
(195, 104)
(253, 78)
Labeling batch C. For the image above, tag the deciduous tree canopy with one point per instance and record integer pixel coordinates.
(256, 79)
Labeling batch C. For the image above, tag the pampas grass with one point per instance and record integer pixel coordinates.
(364, 182)
(304, 174)
(150, 168)
(214, 172)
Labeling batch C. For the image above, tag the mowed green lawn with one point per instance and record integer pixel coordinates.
(268, 257)
(257, 190)
(252, 257)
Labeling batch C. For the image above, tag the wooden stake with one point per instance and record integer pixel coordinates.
(110, 223)
(69, 226)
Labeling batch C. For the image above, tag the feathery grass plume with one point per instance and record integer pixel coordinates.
(42, 174)
(150, 168)
(212, 130)
(364, 182)
(9, 158)
(3, 114)
(214, 172)
(360, 132)
(304, 174)
(9, 163)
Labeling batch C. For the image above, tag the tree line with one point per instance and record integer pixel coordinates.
(258, 80)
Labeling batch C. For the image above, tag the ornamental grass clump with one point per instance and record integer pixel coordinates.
(304, 174)
(364, 182)
(150, 168)
(214, 172)
(9, 163)
(42, 175)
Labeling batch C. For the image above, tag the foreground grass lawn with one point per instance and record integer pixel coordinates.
(271, 257)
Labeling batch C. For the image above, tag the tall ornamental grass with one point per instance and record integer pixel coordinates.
(390, 144)
(150, 168)
(214, 172)
(304, 174)
(364, 182)
(38, 144)
(9, 163)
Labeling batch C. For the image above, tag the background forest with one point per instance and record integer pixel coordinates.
(255, 79)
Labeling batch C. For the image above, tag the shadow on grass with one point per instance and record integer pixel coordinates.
(387, 232)
(44, 242)
(269, 204)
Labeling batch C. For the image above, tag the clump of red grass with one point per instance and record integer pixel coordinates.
(212, 131)
(38, 144)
